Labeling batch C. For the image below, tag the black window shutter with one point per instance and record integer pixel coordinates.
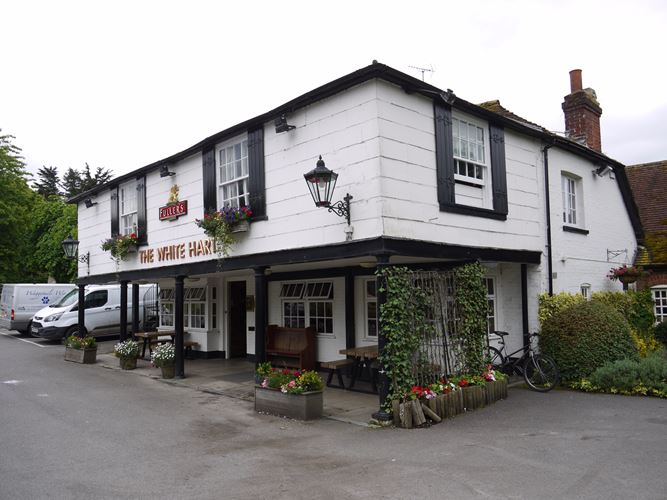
(256, 173)
(210, 188)
(142, 224)
(115, 220)
(444, 154)
(498, 173)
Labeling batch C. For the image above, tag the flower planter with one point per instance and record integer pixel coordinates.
(168, 371)
(127, 363)
(496, 391)
(85, 356)
(132, 249)
(240, 227)
(306, 406)
(627, 279)
(473, 397)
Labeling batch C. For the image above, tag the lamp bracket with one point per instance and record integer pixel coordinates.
(342, 208)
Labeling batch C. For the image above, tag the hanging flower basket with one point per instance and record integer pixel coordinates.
(121, 246)
(220, 226)
(625, 274)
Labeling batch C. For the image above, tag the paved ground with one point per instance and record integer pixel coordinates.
(74, 431)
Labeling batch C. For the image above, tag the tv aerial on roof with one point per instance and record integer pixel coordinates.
(423, 70)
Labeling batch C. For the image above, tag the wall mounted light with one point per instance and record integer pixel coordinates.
(282, 125)
(71, 247)
(321, 183)
(164, 171)
(89, 203)
(602, 170)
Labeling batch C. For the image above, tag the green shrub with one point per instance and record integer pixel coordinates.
(661, 332)
(636, 307)
(645, 377)
(622, 375)
(552, 304)
(584, 336)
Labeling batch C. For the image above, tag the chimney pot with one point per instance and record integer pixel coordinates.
(575, 80)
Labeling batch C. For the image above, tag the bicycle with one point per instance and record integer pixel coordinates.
(539, 371)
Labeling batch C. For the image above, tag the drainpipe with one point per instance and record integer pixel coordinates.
(545, 152)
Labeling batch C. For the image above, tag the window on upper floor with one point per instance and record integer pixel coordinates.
(660, 303)
(128, 209)
(573, 199)
(127, 193)
(232, 161)
(470, 164)
(233, 173)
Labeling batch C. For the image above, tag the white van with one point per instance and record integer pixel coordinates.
(102, 312)
(20, 301)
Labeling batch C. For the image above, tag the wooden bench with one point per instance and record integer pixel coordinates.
(293, 347)
(187, 345)
(334, 367)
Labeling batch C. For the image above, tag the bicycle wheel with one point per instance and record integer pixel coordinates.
(541, 373)
(494, 357)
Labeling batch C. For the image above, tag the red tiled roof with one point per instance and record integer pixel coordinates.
(648, 182)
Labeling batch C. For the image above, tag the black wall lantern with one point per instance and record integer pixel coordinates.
(164, 171)
(89, 203)
(321, 183)
(70, 247)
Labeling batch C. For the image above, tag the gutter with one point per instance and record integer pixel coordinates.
(550, 280)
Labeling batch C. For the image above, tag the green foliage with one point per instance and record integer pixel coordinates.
(656, 242)
(553, 304)
(289, 381)
(163, 355)
(80, 342)
(52, 220)
(119, 246)
(471, 307)
(403, 319)
(75, 182)
(16, 200)
(47, 185)
(626, 376)
(126, 349)
(635, 307)
(660, 332)
(584, 336)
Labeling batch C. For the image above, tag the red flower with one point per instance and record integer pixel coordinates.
(133, 236)
(285, 371)
(463, 382)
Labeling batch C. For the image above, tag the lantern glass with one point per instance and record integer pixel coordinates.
(321, 183)
(70, 247)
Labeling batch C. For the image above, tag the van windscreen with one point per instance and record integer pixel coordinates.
(69, 299)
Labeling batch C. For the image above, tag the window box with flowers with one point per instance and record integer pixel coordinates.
(625, 274)
(221, 225)
(121, 246)
(289, 393)
(80, 349)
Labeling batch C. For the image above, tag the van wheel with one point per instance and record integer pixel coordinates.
(26, 332)
(74, 330)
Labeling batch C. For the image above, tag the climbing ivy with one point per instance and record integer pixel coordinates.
(471, 309)
(403, 319)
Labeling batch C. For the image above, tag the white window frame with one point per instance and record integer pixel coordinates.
(573, 200)
(492, 303)
(585, 290)
(659, 294)
(194, 307)
(301, 297)
(227, 176)
(127, 207)
(476, 170)
(370, 300)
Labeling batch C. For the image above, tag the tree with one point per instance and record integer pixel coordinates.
(48, 182)
(16, 199)
(75, 182)
(71, 183)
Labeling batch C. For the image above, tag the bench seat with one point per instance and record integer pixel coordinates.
(293, 347)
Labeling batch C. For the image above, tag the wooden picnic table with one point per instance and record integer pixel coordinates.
(149, 338)
(363, 357)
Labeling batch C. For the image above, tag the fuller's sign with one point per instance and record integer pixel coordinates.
(174, 210)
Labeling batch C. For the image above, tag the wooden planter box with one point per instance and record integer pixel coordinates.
(474, 396)
(240, 227)
(169, 370)
(306, 406)
(495, 391)
(85, 356)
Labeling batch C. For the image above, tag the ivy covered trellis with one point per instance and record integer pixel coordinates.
(434, 324)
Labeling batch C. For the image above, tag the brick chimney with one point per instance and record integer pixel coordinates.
(582, 113)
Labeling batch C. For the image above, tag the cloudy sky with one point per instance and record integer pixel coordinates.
(122, 84)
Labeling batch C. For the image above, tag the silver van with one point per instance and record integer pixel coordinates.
(20, 301)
